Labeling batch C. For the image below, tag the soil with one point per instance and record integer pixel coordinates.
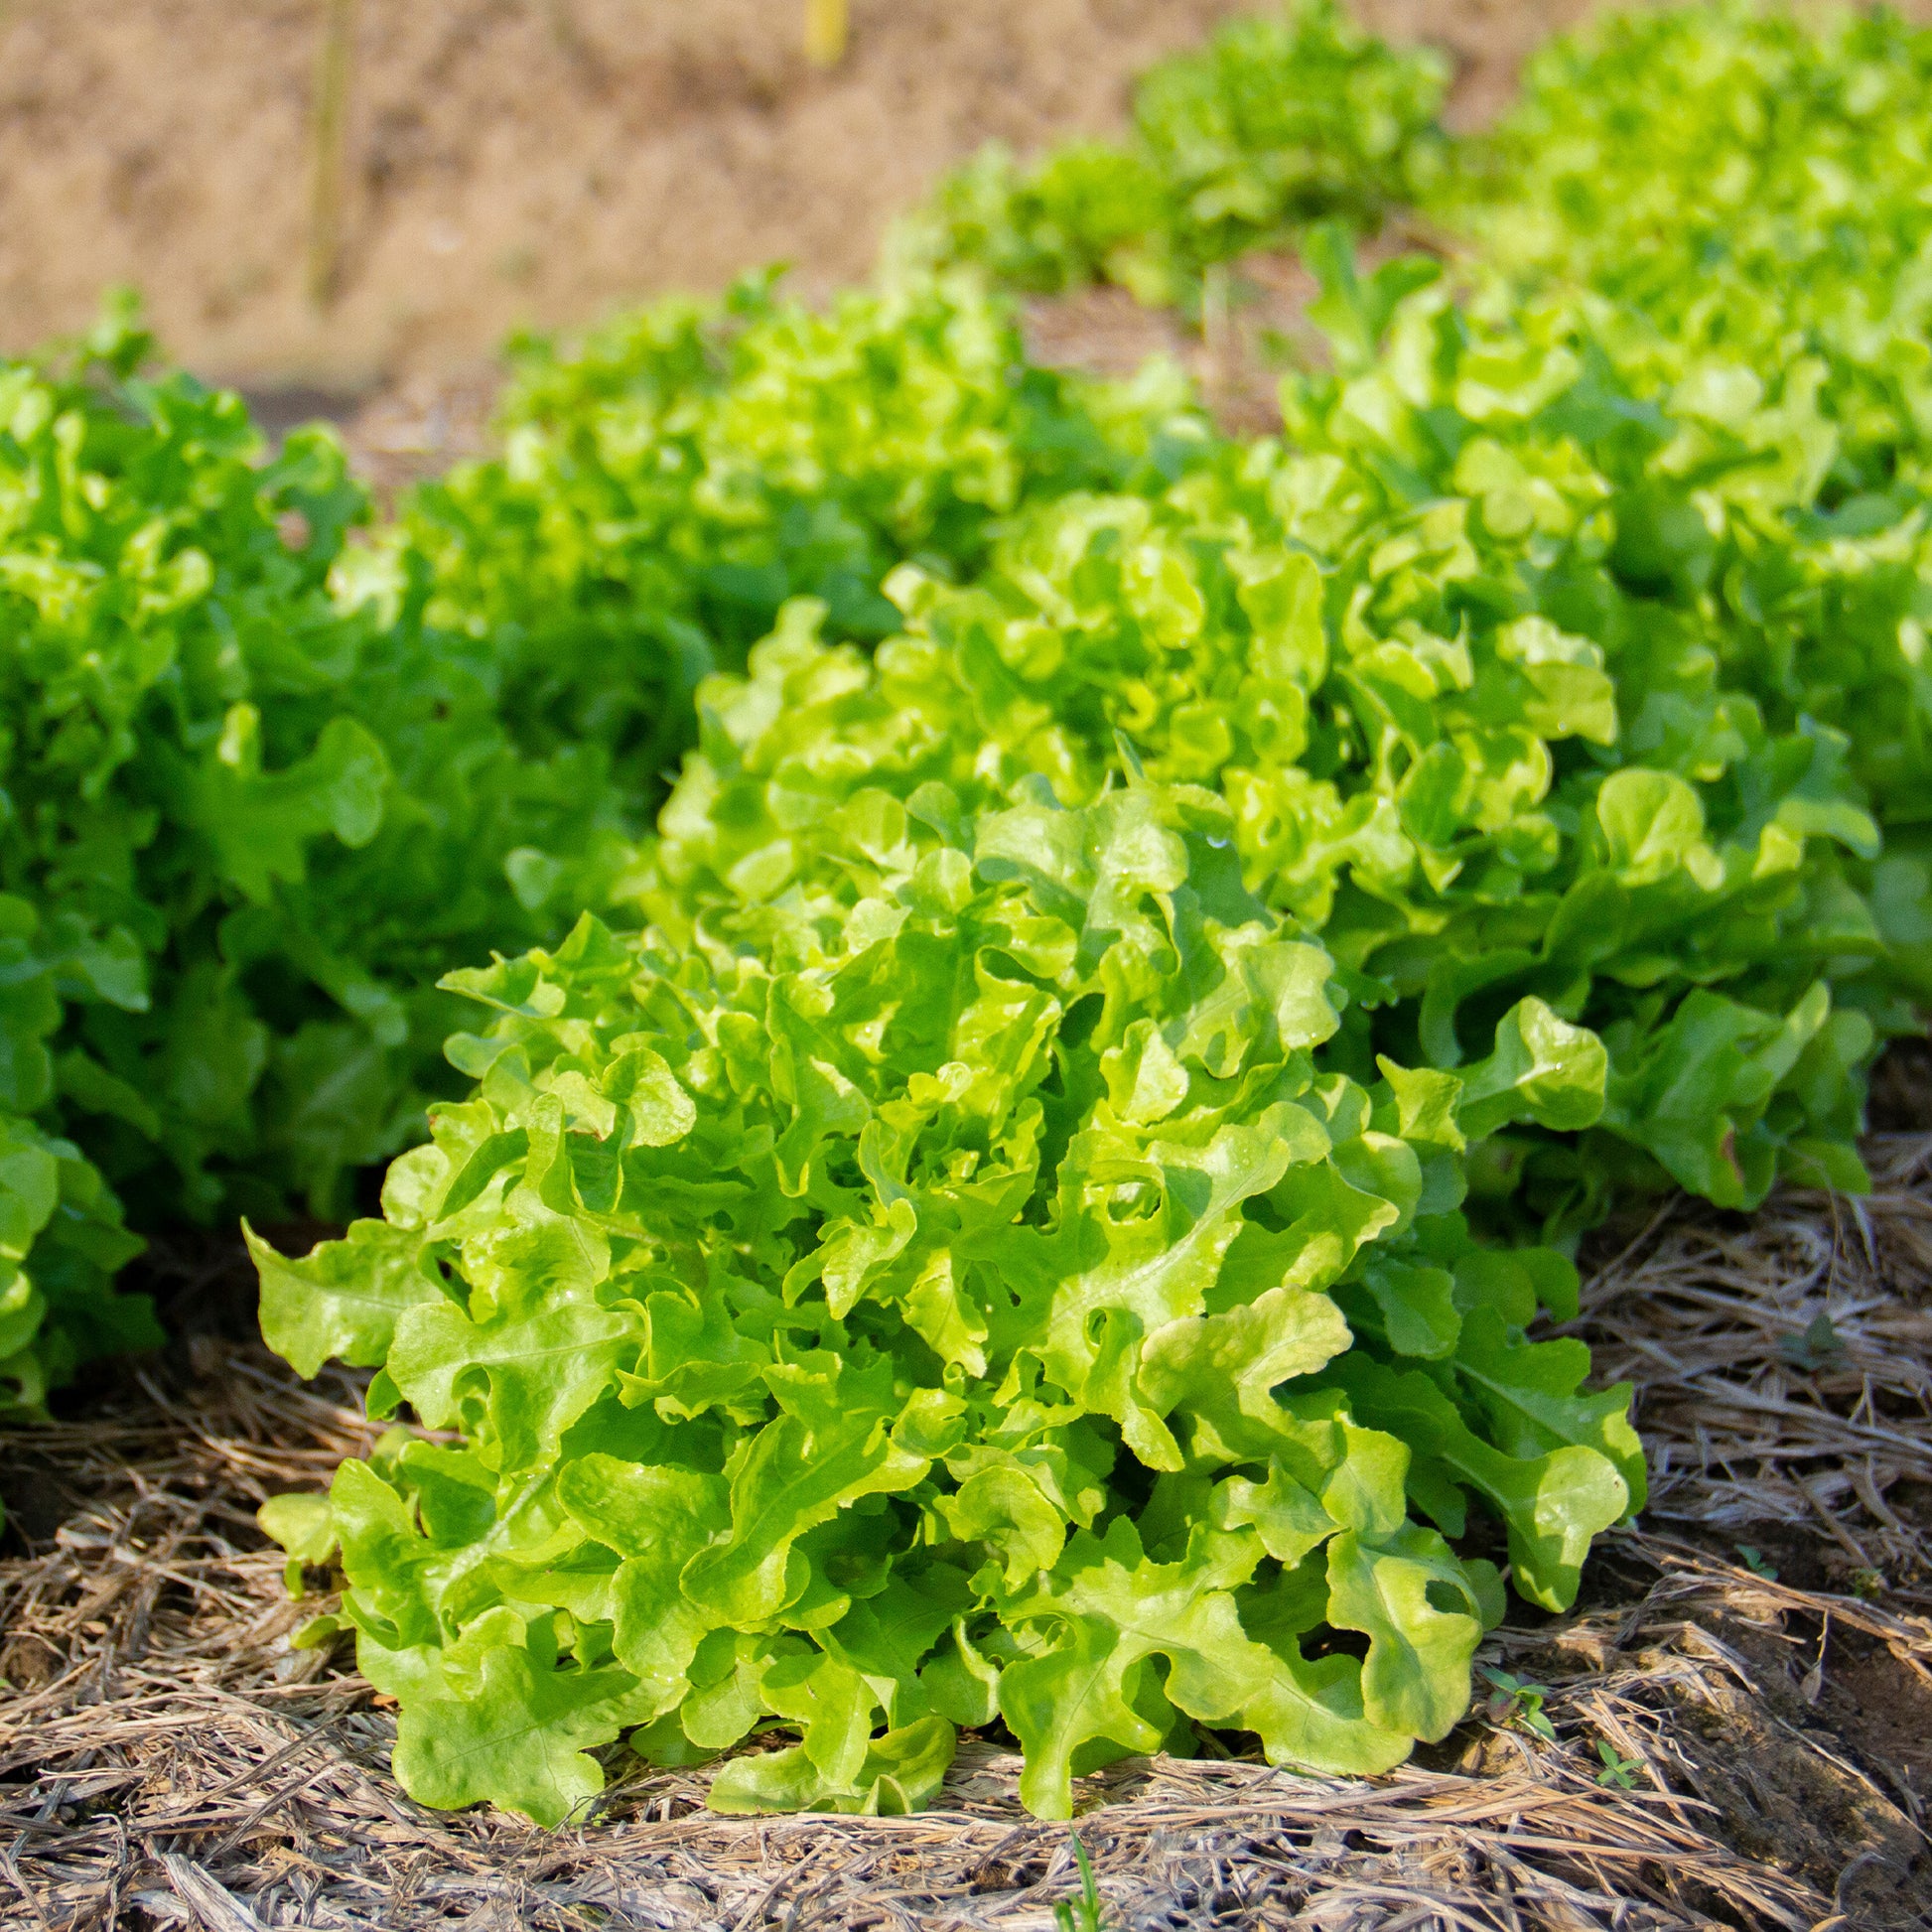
(518, 163)
(1812, 1742)
(1809, 1741)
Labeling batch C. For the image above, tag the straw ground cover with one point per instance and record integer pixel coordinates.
(1724, 1746)
(1785, 1376)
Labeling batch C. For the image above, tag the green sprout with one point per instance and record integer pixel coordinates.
(1084, 1914)
(1820, 1346)
(1620, 1771)
(1755, 1564)
(1515, 1702)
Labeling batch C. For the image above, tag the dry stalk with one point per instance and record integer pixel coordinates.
(328, 160)
(827, 28)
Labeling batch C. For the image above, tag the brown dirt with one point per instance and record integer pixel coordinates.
(536, 162)
(1798, 1737)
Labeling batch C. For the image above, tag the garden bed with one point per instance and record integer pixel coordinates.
(1728, 1726)
(166, 1752)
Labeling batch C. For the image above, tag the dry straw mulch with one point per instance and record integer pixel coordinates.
(1784, 1361)
(166, 1759)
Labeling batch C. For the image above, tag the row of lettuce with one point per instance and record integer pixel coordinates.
(272, 768)
(1108, 939)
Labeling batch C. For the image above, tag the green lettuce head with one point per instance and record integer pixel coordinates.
(967, 1292)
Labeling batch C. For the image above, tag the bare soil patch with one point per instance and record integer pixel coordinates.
(538, 162)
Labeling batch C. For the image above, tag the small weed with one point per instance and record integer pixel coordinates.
(1753, 1560)
(1620, 1771)
(1515, 1702)
(1085, 1913)
(1820, 1346)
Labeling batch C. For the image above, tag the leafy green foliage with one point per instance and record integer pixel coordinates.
(1739, 191)
(244, 823)
(1734, 922)
(1746, 183)
(893, 1293)
(267, 784)
(1453, 735)
(968, 1288)
(1744, 190)
(670, 481)
(1277, 121)
(62, 1241)
(1002, 1221)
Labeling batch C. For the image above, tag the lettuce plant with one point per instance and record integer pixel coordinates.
(968, 1293)
(1741, 189)
(1010, 1233)
(267, 784)
(245, 820)
(1747, 183)
(61, 1242)
(668, 482)
(1280, 120)
(1738, 188)
(1460, 734)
